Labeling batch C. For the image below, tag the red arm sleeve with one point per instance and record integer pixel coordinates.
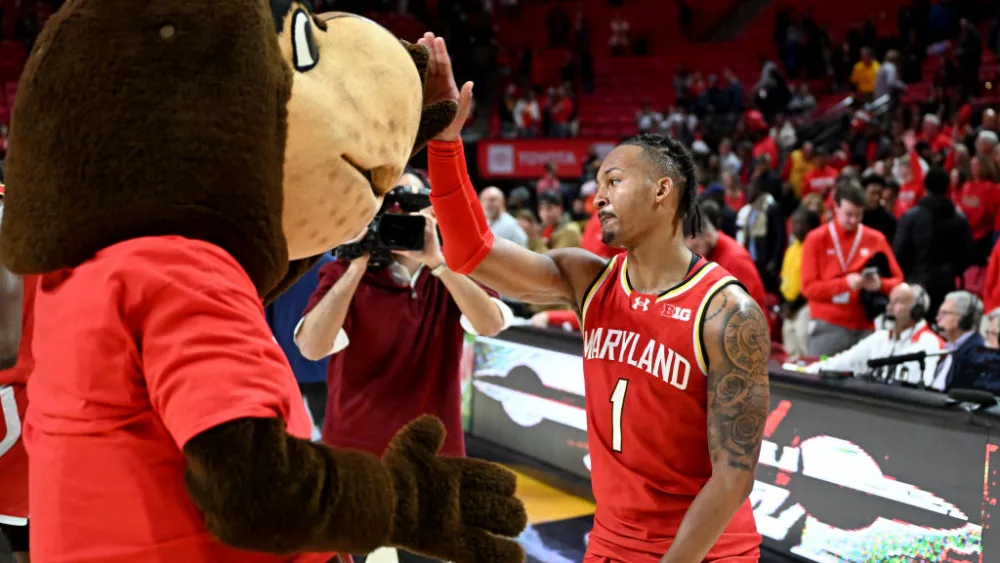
(814, 288)
(559, 318)
(466, 236)
(208, 355)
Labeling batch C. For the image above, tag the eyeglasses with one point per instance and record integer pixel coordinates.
(946, 312)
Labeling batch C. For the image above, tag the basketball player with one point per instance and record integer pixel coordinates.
(15, 348)
(675, 350)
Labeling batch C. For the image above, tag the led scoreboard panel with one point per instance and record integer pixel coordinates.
(849, 471)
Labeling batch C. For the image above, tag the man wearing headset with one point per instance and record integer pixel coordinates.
(958, 322)
(991, 329)
(906, 333)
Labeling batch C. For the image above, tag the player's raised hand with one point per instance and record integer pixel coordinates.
(455, 509)
(440, 85)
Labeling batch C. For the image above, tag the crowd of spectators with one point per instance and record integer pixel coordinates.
(822, 236)
(906, 196)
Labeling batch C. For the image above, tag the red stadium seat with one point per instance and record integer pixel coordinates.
(12, 57)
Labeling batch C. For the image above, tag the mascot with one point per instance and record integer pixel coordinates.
(174, 164)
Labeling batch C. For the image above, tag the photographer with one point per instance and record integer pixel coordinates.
(382, 374)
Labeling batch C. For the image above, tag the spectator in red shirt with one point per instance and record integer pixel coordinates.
(714, 245)
(768, 147)
(979, 199)
(562, 114)
(833, 258)
(381, 375)
(734, 196)
(931, 133)
(550, 181)
(822, 177)
(910, 170)
(527, 115)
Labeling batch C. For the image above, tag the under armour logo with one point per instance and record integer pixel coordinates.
(640, 302)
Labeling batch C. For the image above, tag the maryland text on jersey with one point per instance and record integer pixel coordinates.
(638, 351)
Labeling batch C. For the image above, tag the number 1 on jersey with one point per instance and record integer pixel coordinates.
(617, 405)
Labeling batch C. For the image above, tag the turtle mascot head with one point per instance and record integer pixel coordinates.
(258, 126)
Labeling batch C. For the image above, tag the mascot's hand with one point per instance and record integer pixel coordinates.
(455, 509)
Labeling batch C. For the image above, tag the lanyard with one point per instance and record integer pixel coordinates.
(840, 253)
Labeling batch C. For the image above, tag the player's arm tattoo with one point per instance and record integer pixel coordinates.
(738, 345)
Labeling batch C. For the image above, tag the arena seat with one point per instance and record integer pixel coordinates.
(9, 92)
(12, 57)
(404, 26)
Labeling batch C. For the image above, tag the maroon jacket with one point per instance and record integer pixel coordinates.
(403, 360)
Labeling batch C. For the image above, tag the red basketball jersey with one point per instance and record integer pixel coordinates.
(18, 375)
(13, 405)
(644, 365)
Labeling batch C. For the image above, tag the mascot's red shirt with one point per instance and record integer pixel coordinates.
(138, 350)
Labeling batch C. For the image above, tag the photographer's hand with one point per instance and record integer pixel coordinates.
(485, 314)
(318, 331)
(431, 255)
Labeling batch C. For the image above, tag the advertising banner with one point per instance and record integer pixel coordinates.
(526, 158)
(834, 484)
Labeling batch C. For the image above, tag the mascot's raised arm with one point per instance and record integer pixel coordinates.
(173, 164)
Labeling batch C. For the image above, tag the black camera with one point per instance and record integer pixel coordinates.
(390, 232)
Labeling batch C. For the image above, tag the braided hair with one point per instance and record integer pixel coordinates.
(673, 159)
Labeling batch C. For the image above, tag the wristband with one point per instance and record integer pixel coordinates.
(465, 233)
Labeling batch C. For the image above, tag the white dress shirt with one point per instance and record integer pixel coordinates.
(886, 343)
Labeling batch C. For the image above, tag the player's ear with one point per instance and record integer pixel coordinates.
(664, 187)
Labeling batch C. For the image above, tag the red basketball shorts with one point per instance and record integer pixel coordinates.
(749, 558)
(13, 457)
(737, 559)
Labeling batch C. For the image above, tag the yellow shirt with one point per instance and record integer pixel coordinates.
(863, 76)
(791, 272)
(798, 168)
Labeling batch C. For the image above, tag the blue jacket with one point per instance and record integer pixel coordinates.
(965, 369)
(286, 312)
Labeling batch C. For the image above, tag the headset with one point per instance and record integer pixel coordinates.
(921, 303)
(970, 320)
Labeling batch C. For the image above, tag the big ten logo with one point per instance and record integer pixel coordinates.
(676, 313)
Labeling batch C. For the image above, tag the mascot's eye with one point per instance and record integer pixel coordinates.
(305, 52)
